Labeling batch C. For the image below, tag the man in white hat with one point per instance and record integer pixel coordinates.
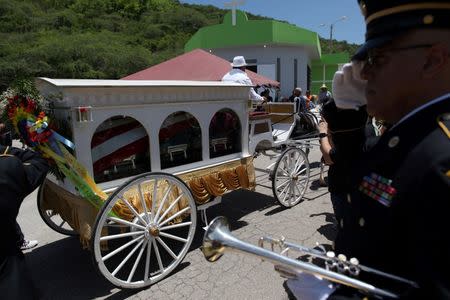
(238, 75)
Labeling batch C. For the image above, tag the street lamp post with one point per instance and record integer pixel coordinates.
(343, 18)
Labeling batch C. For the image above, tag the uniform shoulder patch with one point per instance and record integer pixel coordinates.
(443, 122)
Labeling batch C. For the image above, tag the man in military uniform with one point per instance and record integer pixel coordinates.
(21, 171)
(399, 208)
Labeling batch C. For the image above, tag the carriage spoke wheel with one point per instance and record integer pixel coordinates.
(145, 245)
(290, 177)
(50, 217)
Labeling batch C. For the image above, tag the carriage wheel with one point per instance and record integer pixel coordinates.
(290, 177)
(142, 248)
(51, 218)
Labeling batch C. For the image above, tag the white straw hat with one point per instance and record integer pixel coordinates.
(238, 61)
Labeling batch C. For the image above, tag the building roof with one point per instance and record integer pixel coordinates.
(195, 65)
(131, 83)
(253, 32)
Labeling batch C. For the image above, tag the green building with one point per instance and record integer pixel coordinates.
(278, 50)
(323, 69)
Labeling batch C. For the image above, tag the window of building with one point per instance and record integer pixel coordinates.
(119, 149)
(278, 69)
(295, 73)
(180, 140)
(224, 133)
(308, 77)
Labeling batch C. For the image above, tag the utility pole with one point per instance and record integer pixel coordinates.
(343, 18)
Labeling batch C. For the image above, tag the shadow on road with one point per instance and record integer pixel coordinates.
(234, 206)
(327, 230)
(63, 270)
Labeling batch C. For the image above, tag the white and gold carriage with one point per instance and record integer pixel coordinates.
(161, 150)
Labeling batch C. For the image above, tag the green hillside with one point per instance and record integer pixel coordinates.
(98, 38)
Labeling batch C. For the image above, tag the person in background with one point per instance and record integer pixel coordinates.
(324, 95)
(266, 94)
(310, 100)
(342, 134)
(238, 75)
(6, 140)
(21, 172)
(295, 93)
(298, 99)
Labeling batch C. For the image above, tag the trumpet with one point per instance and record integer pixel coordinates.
(218, 238)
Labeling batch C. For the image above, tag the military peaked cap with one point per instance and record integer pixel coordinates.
(386, 19)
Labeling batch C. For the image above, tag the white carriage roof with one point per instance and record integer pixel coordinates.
(133, 83)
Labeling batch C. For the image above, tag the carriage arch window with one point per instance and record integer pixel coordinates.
(180, 140)
(224, 133)
(119, 149)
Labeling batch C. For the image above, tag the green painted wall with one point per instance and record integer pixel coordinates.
(327, 65)
(254, 32)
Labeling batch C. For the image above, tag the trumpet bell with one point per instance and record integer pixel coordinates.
(218, 238)
(213, 248)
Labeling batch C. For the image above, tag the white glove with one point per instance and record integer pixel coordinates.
(349, 87)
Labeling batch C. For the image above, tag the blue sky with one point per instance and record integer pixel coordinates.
(308, 14)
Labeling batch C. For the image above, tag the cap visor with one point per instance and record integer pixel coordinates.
(361, 53)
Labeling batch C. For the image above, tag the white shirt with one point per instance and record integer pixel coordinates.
(239, 76)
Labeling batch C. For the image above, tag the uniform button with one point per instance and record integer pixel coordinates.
(349, 199)
(393, 142)
(362, 222)
(428, 19)
(341, 223)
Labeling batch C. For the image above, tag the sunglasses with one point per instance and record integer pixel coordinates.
(374, 59)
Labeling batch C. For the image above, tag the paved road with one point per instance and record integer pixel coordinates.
(62, 270)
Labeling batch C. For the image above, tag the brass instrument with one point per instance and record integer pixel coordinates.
(218, 238)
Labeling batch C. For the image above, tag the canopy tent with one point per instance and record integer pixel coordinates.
(195, 65)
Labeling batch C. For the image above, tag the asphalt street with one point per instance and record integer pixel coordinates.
(61, 269)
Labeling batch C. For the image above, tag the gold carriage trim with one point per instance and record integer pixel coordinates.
(204, 184)
(216, 181)
(79, 213)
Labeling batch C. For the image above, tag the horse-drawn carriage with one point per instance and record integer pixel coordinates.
(161, 150)
(290, 135)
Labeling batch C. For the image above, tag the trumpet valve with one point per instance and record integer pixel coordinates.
(354, 268)
(342, 263)
(331, 254)
(342, 258)
(330, 264)
(354, 261)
